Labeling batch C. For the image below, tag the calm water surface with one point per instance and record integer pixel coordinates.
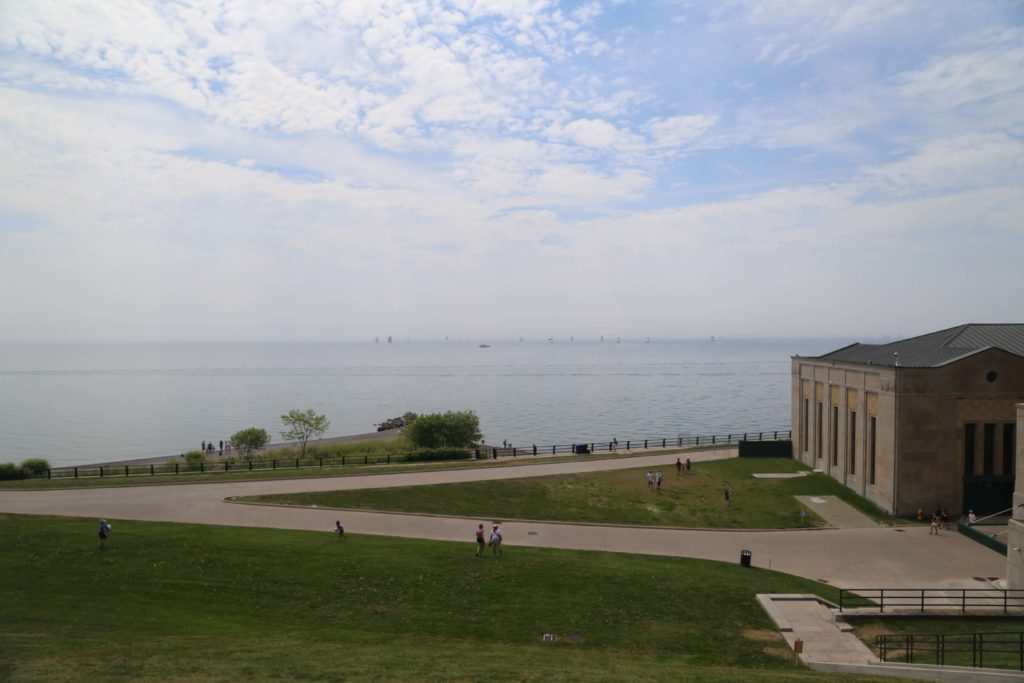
(89, 403)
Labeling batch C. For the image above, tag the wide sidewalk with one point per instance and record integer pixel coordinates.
(880, 557)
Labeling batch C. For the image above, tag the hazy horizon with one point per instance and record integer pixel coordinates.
(342, 170)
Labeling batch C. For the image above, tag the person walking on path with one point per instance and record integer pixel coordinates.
(104, 529)
(945, 519)
(971, 518)
(480, 540)
(650, 481)
(340, 530)
(679, 467)
(496, 540)
(657, 478)
(688, 463)
(934, 529)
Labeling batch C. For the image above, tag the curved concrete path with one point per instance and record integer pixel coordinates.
(879, 557)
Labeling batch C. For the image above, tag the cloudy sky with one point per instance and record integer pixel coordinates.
(331, 170)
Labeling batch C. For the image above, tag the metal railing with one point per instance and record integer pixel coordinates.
(991, 650)
(481, 452)
(935, 600)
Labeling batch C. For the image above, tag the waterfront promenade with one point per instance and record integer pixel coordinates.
(855, 557)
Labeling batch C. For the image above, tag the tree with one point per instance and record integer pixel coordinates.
(301, 425)
(249, 440)
(454, 429)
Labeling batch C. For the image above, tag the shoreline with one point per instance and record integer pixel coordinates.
(387, 435)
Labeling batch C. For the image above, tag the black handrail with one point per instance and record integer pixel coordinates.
(925, 600)
(937, 648)
(483, 451)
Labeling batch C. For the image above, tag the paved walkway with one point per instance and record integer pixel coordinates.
(877, 556)
(837, 512)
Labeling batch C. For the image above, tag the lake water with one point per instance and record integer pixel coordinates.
(77, 404)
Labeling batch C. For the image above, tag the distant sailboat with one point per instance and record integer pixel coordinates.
(551, 340)
(602, 337)
(485, 346)
(389, 339)
(376, 340)
(520, 339)
(618, 340)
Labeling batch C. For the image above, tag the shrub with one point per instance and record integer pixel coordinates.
(250, 440)
(439, 454)
(35, 467)
(8, 471)
(195, 457)
(444, 430)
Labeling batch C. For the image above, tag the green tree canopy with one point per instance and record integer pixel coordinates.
(301, 425)
(454, 429)
(249, 440)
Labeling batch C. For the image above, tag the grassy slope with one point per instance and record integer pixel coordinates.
(197, 603)
(694, 500)
(867, 628)
(285, 471)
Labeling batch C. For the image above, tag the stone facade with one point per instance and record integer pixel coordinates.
(912, 437)
(1015, 538)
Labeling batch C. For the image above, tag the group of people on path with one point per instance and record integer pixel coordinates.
(494, 541)
(208, 447)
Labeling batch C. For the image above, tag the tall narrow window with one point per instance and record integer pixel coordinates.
(834, 431)
(970, 437)
(1008, 445)
(817, 433)
(852, 441)
(988, 448)
(806, 421)
(872, 446)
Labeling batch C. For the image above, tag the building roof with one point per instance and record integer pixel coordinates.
(935, 348)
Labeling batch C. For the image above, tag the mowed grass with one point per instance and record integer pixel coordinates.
(170, 602)
(867, 628)
(696, 499)
(287, 470)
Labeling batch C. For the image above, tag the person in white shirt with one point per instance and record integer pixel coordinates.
(496, 540)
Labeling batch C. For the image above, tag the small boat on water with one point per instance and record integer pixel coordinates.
(485, 346)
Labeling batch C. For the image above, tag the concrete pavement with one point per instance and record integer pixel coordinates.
(858, 557)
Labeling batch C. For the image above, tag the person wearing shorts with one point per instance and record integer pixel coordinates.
(104, 528)
(480, 541)
(496, 540)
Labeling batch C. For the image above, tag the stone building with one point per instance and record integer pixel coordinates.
(918, 423)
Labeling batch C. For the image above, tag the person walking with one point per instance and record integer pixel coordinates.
(104, 530)
(650, 481)
(679, 467)
(728, 496)
(340, 530)
(496, 539)
(934, 528)
(688, 463)
(657, 478)
(480, 540)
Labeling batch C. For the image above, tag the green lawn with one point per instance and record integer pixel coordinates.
(694, 500)
(867, 628)
(115, 476)
(169, 602)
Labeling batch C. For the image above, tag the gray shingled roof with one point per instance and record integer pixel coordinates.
(936, 348)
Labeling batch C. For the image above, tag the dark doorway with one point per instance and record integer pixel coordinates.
(987, 495)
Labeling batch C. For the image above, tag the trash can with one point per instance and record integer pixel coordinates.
(745, 558)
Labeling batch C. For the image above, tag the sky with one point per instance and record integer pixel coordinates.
(238, 170)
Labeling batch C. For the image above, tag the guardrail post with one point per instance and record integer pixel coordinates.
(627, 445)
(175, 468)
(101, 471)
(974, 649)
(227, 466)
(535, 449)
(645, 444)
(250, 465)
(881, 601)
(343, 461)
(713, 440)
(981, 650)
(776, 437)
(922, 601)
(366, 460)
(663, 443)
(760, 436)
(698, 441)
(48, 473)
(152, 470)
(910, 649)
(553, 450)
(273, 464)
(321, 461)
(202, 467)
(963, 600)
(126, 470)
(76, 473)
